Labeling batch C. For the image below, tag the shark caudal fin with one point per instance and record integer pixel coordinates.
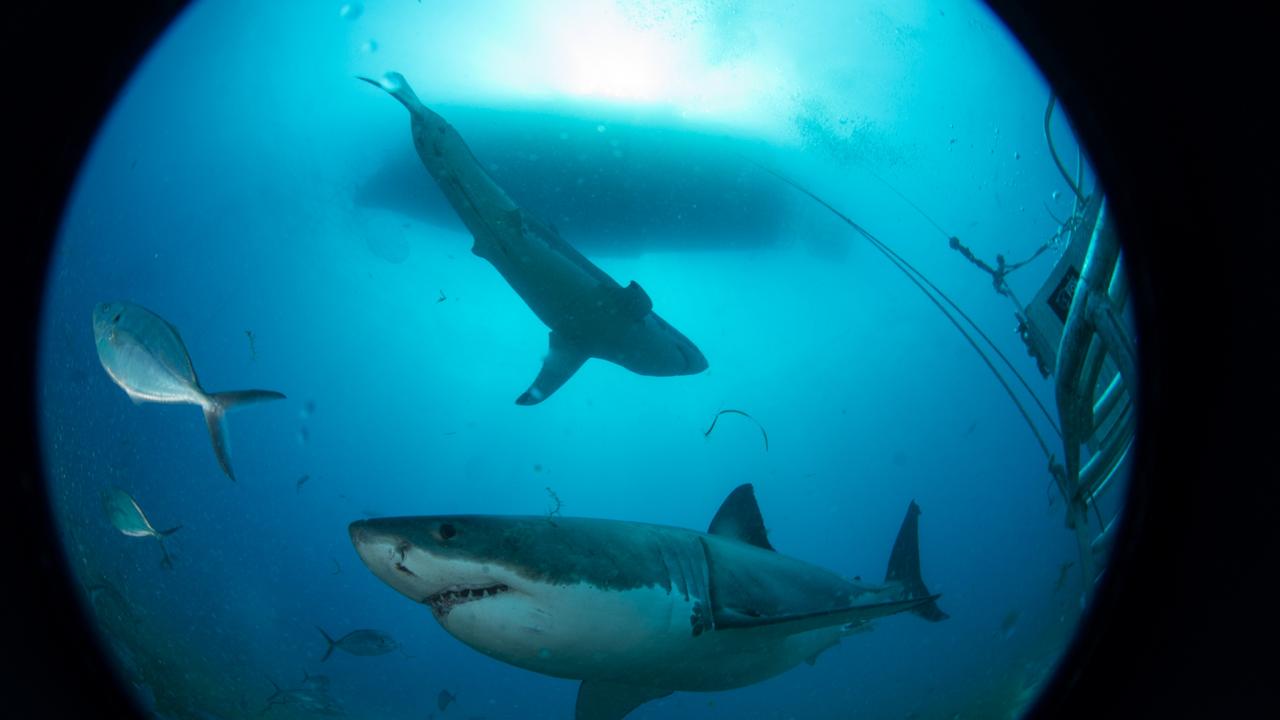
(397, 87)
(562, 361)
(904, 566)
(215, 411)
(329, 650)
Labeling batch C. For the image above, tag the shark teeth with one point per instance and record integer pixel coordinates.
(446, 600)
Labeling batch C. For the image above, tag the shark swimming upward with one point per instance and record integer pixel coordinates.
(635, 611)
(588, 312)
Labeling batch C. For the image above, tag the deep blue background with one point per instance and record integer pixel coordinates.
(230, 192)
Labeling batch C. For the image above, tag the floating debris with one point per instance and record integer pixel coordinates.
(442, 297)
(443, 700)
(304, 436)
(301, 481)
(351, 10)
(716, 419)
(556, 499)
(370, 46)
(253, 351)
(337, 569)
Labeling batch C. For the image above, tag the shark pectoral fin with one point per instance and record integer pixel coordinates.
(632, 301)
(562, 361)
(598, 700)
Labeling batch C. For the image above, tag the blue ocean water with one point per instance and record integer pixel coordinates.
(251, 191)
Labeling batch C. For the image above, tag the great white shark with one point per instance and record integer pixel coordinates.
(588, 312)
(633, 610)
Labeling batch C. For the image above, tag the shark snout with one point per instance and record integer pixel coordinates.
(357, 532)
(695, 361)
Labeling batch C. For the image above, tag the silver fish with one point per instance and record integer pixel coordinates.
(312, 697)
(145, 356)
(360, 642)
(127, 517)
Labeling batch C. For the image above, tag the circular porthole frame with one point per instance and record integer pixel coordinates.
(1156, 640)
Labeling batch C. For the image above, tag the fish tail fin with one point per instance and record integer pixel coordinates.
(166, 561)
(904, 566)
(329, 650)
(215, 413)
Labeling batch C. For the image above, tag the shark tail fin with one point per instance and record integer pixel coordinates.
(329, 650)
(904, 566)
(215, 412)
(397, 87)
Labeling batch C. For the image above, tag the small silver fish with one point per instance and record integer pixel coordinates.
(127, 517)
(146, 357)
(360, 642)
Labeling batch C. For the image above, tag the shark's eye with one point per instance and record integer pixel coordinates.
(447, 531)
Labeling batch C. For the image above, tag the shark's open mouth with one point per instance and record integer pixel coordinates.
(445, 600)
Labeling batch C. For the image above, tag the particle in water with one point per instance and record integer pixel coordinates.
(351, 10)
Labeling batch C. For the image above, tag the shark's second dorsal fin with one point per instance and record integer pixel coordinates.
(739, 518)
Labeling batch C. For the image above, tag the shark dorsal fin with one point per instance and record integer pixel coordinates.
(633, 301)
(739, 518)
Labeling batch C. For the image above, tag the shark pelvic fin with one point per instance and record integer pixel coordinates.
(562, 361)
(904, 565)
(598, 700)
(739, 518)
